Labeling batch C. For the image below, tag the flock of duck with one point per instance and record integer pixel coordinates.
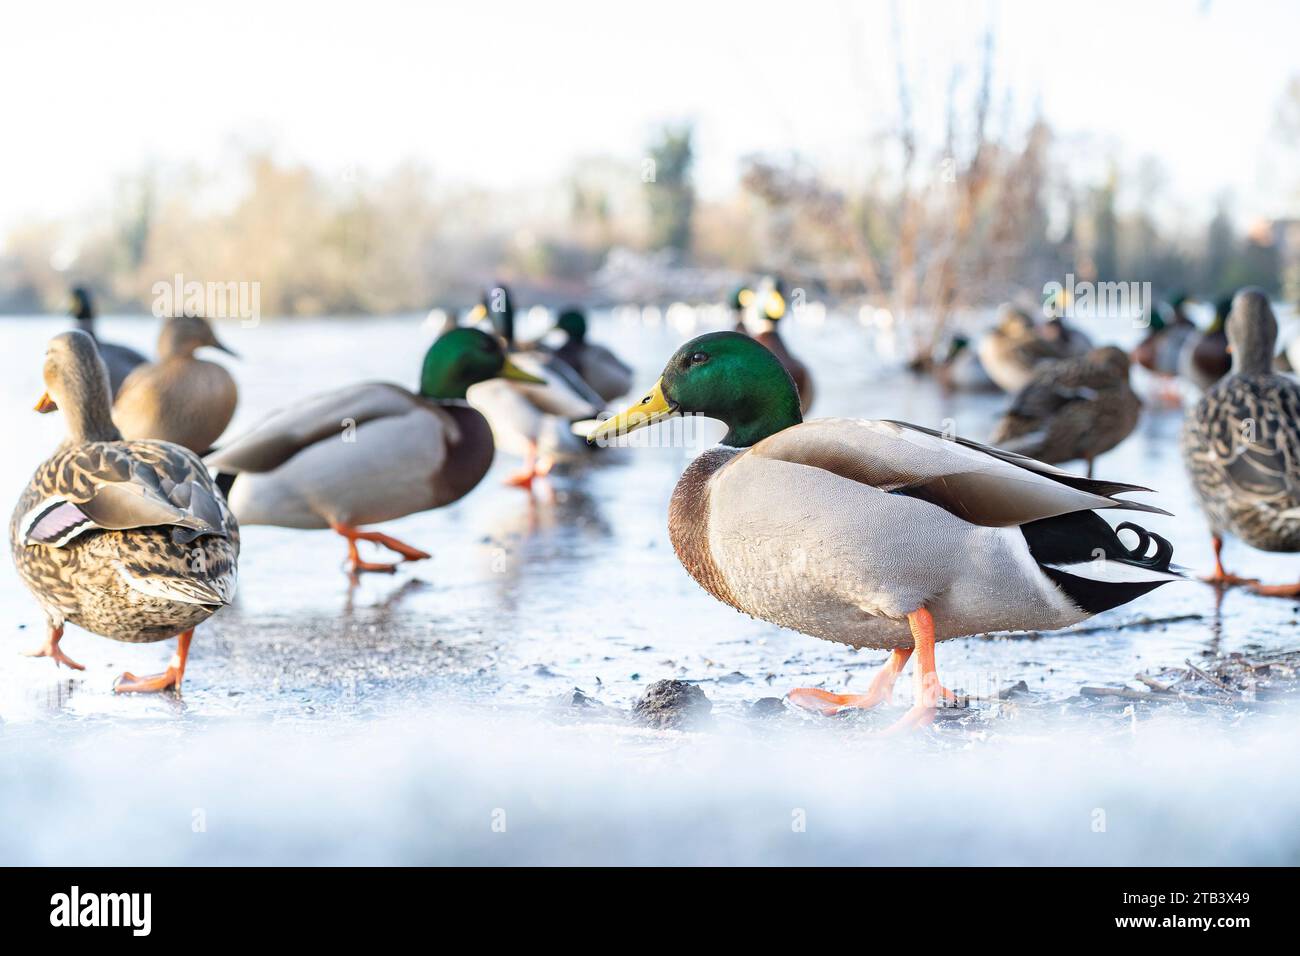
(878, 534)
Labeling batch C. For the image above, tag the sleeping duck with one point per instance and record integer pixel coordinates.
(879, 533)
(118, 359)
(128, 539)
(600, 368)
(370, 453)
(528, 419)
(1241, 445)
(1205, 359)
(771, 309)
(179, 398)
(1072, 409)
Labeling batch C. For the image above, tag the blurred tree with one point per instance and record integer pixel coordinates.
(670, 193)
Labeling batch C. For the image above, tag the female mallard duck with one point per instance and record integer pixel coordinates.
(877, 533)
(1205, 357)
(599, 367)
(771, 310)
(1073, 409)
(128, 539)
(370, 453)
(119, 359)
(531, 420)
(1015, 347)
(1241, 445)
(180, 398)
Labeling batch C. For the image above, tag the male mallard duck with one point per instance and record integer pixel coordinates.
(370, 453)
(960, 369)
(771, 309)
(119, 359)
(877, 533)
(128, 539)
(180, 398)
(741, 302)
(1015, 347)
(1241, 445)
(526, 419)
(1160, 350)
(1073, 409)
(1205, 359)
(599, 367)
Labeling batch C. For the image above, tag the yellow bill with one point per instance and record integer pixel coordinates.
(513, 372)
(775, 307)
(653, 408)
(477, 314)
(46, 404)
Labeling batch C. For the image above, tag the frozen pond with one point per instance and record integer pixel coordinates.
(410, 718)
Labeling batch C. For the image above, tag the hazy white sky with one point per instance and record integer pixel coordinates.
(507, 94)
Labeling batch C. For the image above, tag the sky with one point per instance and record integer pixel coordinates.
(508, 95)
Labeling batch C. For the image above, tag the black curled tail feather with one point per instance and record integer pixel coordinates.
(224, 480)
(1138, 555)
(1077, 541)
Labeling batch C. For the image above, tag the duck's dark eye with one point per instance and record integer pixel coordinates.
(699, 358)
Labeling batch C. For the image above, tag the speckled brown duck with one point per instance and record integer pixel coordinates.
(1072, 410)
(128, 539)
(370, 453)
(1241, 445)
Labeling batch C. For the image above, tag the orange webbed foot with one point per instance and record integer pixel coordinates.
(827, 704)
(128, 683)
(52, 650)
(1275, 590)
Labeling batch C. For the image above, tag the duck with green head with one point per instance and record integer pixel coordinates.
(878, 533)
(370, 453)
(1205, 358)
(771, 304)
(528, 419)
(608, 376)
(741, 302)
(118, 359)
(1241, 445)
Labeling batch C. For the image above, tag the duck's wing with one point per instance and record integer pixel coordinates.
(287, 432)
(977, 483)
(565, 394)
(116, 486)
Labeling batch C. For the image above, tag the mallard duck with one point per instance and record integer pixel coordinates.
(741, 302)
(1160, 349)
(1072, 409)
(370, 453)
(128, 539)
(1205, 359)
(531, 420)
(879, 533)
(960, 370)
(771, 309)
(600, 368)
(1241, 445)
(118, 359)
(180, 398)
(1014, 348)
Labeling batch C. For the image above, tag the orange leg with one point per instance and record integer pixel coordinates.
(355, 564)
(881, 690)
(524, 477)
(1220, 576)
(128, 683)
(928, 691)
(51, 649)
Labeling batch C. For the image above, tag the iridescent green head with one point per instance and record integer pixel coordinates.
(464, 357)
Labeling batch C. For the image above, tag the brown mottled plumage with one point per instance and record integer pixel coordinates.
(1073, 409)
(1241, 443)
(128, 539)
(179, 398)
